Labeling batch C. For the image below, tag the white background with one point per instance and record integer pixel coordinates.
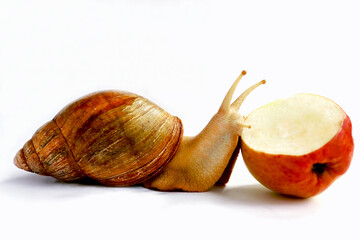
(183, 55)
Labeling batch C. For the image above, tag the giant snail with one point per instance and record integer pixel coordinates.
(120, 139)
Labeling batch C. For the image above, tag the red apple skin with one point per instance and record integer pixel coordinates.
(293, 175)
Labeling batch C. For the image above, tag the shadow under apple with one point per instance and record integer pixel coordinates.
(256, 194)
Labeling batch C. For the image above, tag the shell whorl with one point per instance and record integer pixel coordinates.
(47, 153)
(116, 138)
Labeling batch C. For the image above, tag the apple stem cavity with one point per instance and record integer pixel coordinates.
(319, 168)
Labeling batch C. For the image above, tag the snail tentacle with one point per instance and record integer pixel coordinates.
(237, 103)
(225, 106)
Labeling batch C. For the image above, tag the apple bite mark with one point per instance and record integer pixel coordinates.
(298, 146)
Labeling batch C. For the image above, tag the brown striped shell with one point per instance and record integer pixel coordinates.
(116, 138)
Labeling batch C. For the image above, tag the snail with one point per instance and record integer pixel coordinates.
(120, 139)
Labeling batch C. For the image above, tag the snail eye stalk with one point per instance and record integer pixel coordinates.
(226, 104)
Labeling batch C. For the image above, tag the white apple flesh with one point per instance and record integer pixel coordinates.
(299, 145)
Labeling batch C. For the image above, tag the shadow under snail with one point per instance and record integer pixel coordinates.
(121, 139)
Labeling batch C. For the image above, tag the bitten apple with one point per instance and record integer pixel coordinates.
(299, 145)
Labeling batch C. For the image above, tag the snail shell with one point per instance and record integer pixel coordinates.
(117, 138)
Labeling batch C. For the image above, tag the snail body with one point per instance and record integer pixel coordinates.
(122, 139)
